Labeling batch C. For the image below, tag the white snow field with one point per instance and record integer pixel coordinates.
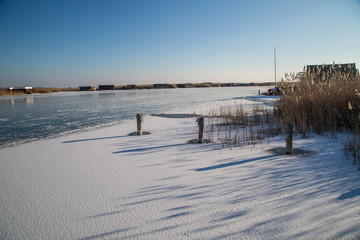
(105, 184)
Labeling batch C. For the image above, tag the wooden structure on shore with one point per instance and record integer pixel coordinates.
(87, 88)
(183, 85)
(27, 90)
(106, 87)
(163, 85)
(130, 86)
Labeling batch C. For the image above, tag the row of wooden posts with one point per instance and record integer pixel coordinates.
(200, 121)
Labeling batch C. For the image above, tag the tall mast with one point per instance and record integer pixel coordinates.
(275, 63)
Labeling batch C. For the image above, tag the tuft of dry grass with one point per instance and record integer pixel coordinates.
(237, 125)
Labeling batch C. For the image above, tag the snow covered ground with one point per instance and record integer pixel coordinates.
(105, 184)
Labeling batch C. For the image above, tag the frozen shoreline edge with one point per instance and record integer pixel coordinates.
(184, 113)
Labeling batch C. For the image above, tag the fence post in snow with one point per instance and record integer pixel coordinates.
(200, 122)
(259, 92)
(289, 138)
(140, 119)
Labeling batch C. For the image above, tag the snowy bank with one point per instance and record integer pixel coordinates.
(105, 184)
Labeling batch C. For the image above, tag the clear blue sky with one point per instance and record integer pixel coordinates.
(69, 43)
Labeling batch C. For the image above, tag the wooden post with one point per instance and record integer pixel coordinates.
(140, 119)
(289, 138)
(200, 122)
(259, 92)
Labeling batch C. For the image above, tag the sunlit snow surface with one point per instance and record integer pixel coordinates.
(105, 184)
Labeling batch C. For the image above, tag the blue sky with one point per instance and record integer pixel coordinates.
(89, 42)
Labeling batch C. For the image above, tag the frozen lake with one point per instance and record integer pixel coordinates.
(31, 117)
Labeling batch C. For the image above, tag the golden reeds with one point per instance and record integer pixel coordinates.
(324, 101)
(319, 102)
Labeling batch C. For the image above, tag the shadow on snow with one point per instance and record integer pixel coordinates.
(350, 194)
(93, 139)
(148, 148)
(233, 163)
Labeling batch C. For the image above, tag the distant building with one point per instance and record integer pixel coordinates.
(163, 85)
(130, 86)
(28, 90)
(228, 84)
(246, 84)
(87, 88)
(106, 87)
(183, 85)
(326, 70)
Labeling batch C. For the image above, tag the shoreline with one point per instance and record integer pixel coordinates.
(30, 101)
(38, 90)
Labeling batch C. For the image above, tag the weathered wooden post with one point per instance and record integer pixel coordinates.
(259, 92)
(289, 138)
(200, 122)
(140, 119)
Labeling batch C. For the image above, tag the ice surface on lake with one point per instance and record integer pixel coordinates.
(31, 117)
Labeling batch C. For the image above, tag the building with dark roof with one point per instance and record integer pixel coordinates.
(87, 88)
(106, 87)
(326, 70)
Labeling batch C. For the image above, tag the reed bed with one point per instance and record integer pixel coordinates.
(321, 102)
(317, 102)
(324, 101)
